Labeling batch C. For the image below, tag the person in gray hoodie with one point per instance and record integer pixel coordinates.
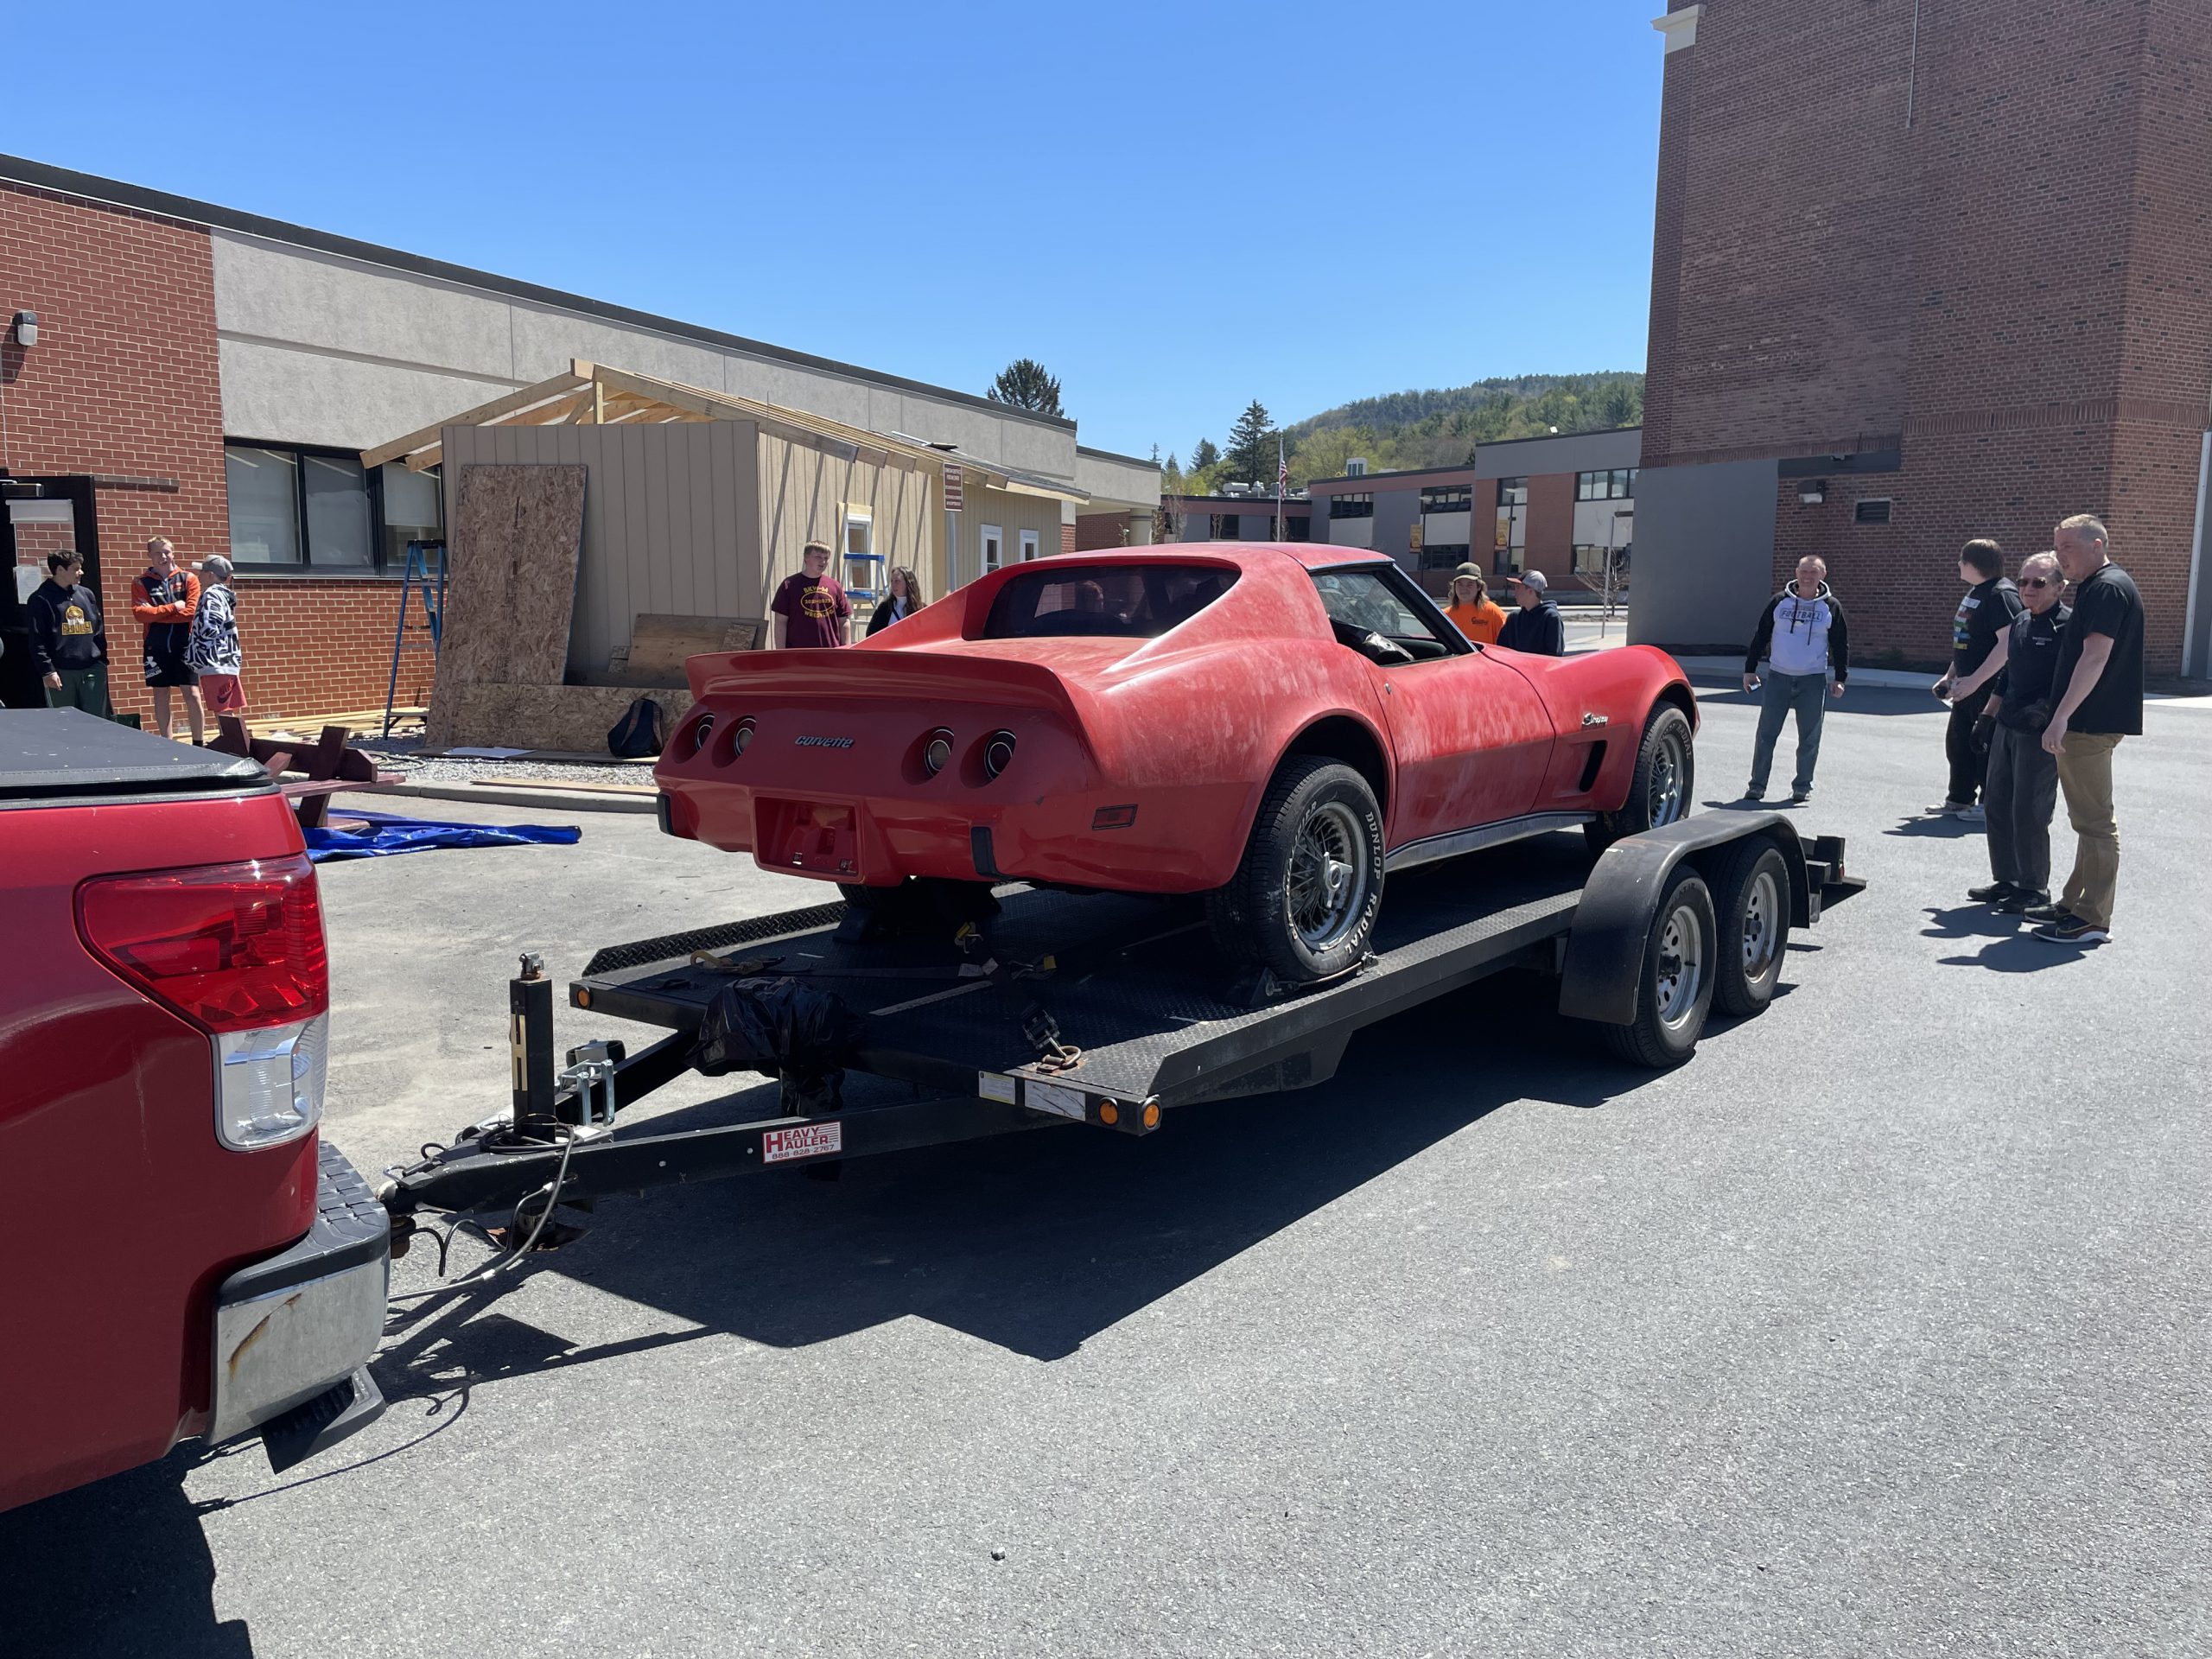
(1802, 638)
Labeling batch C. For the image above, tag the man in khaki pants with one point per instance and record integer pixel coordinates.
(2098, 685)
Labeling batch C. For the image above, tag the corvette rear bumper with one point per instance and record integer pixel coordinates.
(1183, 840)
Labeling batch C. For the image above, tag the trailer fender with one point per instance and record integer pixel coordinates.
(1605, 945)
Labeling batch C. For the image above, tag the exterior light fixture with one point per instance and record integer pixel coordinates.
(1812, 492)
(26, 329)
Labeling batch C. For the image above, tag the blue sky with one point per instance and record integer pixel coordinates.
(1176, 208)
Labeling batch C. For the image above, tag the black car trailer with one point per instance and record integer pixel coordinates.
(1111, 1010)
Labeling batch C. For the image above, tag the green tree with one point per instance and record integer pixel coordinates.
(1323, 454)
(1205, 455)
(1025, 383)
(1252, 446)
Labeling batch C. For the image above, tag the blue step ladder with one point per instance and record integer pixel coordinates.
(425, 578)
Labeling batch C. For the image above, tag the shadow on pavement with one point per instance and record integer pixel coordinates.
(121, 1568)
(1968, 922)
(1939, 828)
(1035, 1242)
(2023, 953)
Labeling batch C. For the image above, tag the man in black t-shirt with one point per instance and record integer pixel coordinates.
(2023, 782)
(2099, 699)
(1991, 603)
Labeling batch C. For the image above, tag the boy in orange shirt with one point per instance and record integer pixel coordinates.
(164, 598)
(1471, 609)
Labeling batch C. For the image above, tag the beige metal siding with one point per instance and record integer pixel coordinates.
(1012, 514)
(671, 521)
(803, 494)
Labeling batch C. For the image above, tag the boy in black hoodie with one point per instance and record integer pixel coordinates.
(68, 639)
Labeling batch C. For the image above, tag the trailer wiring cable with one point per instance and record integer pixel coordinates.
(509, 1261)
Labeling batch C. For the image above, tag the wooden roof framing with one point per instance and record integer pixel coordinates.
(591, 394)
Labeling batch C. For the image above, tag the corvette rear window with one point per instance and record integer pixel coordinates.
(1127, 601)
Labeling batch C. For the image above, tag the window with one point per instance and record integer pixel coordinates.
(1028, 545)
(1364, 603)
(1124, 601)
(1353, 506)
(265, 490)
(1873, 511)
(1299, 529)
(1443, 556)
(994, 546)
(413, 510)
(1447, 498)
(1512, 534)
(1619, 484)
(319, 509)
(1225, 526)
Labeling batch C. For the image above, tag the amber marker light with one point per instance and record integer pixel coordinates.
(1109, 1112)
(1151, 1115)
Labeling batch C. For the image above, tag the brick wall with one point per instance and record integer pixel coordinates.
(1550, 538)
(2013, 290)
(124, 383)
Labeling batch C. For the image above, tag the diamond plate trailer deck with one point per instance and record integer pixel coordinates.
(1104, 1009)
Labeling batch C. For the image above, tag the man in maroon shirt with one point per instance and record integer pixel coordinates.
(810, 608)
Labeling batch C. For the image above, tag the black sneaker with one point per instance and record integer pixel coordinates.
(1995, 893)
(2020, 902)
(2047, 912)
(2073, 930)
(1755, 794)
(1799, 797)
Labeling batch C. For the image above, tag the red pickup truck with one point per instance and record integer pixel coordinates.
(184, 1255)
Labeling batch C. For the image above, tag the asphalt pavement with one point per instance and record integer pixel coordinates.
(1879, 1328)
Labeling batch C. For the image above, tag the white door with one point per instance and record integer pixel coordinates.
(993, 548)
(1028, 545)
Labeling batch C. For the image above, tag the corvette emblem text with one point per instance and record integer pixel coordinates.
(823, 742)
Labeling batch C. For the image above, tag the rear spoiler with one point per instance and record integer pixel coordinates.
(837, 675)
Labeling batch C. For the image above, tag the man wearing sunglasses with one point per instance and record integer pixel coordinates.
(2022, 788)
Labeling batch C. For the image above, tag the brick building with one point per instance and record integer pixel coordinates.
(1563, 505)
(1922, 273)
(214, 377)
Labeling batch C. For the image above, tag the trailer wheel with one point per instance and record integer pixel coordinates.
(1661, 787)
(1754, 892)
(1675, 991)
(1304, 900)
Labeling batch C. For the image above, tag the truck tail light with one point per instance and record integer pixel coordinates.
(237, 949)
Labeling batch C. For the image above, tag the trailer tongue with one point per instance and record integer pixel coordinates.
(1112, 1010)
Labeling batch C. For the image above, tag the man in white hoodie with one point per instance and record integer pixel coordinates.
(1802, 638)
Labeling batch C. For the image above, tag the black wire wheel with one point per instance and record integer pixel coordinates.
(1673, 991)
(1304, 900)
(1753, 892)
(1661, 787)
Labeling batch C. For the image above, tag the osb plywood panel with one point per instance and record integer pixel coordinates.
(547, 716)
(517, 533)
(660, 645)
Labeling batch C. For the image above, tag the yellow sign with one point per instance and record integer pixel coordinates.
(1413, 537)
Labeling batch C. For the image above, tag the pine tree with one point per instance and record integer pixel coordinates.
(1205, 455)
(1025, 383)
(1252, 446)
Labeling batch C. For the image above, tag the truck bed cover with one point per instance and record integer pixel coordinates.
(48, 756)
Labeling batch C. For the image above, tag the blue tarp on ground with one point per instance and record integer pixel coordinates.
(383, 833)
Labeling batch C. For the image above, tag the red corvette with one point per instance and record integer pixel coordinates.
(1275, 726)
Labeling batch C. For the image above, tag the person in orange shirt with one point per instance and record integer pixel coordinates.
(164, 598)
(1472, 611)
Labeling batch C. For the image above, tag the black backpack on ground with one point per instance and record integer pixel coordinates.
(642, 731)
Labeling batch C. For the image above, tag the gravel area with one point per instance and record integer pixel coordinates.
(401, 754)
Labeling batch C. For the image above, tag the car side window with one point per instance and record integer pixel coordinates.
(1368, 617)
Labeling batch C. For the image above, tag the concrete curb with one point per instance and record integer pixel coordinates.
(547, 800)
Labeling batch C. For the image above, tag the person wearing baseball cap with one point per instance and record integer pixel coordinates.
(1471, 609)
(1536, 627)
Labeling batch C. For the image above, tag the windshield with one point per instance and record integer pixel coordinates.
(1125, 601)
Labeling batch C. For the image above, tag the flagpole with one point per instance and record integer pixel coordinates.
(1283, 476)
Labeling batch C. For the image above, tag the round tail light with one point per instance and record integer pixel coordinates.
(998, 753)
(936, 753)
